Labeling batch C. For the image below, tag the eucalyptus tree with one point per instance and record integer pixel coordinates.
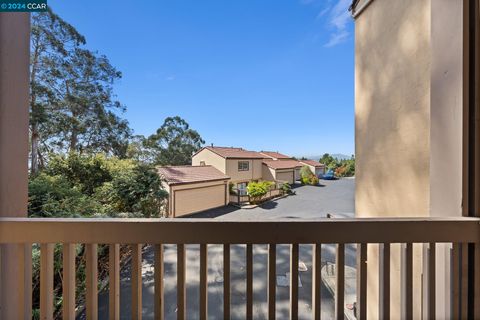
(174, 143)
(51, 41)
(88, 119)
(72, 104)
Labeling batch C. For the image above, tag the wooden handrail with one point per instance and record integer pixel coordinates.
(181, 232)
(202, 231)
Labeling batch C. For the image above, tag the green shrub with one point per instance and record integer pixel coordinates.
(307, 176)
(230, 188)
(286, 188)
(56, 196)
(305, 172)
(94, 185)
(256, 190)
(305, 180)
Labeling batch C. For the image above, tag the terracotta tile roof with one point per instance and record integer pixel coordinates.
(189, 174)
(313, 163)
(231, 152)
(275, 155)
(282, 164)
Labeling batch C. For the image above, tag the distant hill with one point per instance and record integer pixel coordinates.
(339, 156)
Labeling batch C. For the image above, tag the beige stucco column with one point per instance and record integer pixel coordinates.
(14, 92)
(408, 112)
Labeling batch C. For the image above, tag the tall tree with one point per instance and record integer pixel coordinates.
(174, 143)
(73, 107)
(51, 40)
(87, 119)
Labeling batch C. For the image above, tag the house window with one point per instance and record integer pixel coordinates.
(243, 166)
(202, 163)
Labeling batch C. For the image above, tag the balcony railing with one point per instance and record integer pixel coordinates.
(461, 233)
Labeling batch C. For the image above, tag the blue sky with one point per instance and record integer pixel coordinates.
(260, 74)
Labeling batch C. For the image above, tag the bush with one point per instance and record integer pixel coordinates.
(55, 196)
(305, 172)
(95, 185)
(256, 190)
(314, 180)
(307, 176)
(286, 188)
(230, 188)
(305, 180)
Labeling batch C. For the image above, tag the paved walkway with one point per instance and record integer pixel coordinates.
(309, 203)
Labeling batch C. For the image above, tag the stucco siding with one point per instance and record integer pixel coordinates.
(392, 127)
(392, 108)
(210, 158)
(254, 170)
(268, 173)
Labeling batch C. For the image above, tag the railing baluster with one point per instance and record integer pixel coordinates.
(249, 286)
(91, 302)
(46, 281)
(27, 308)
(409, 281)
(431, 280)
(114, 281)
(456, 287)
(386, 282)
(68, 285)
(159, 270)
(203, 282)
(340, 281)
(181, 289)
(226, 281)
(316, 281)
(294, 281)
(136, 281)
(362, 249)
(272, 280)
(464, 281)
(476, 302)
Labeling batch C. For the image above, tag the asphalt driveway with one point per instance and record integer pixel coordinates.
(335, 197)
(309, 202)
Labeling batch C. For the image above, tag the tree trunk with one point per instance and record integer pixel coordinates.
(35, 140)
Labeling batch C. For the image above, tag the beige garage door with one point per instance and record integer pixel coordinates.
(297, 173)
(285, 176)
(198, 199)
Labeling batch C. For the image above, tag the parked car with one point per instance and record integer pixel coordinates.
(330, 175)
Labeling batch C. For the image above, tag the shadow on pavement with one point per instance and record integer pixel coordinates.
(213, 213)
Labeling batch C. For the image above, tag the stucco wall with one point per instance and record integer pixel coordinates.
(392, 108)
(210, 158)
(392, 128)
(254, 172)
(268, 173)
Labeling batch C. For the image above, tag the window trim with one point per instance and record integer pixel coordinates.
(243, 168)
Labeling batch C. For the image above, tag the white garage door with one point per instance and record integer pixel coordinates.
(198, 199)
(319, 172)
(285, 176)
